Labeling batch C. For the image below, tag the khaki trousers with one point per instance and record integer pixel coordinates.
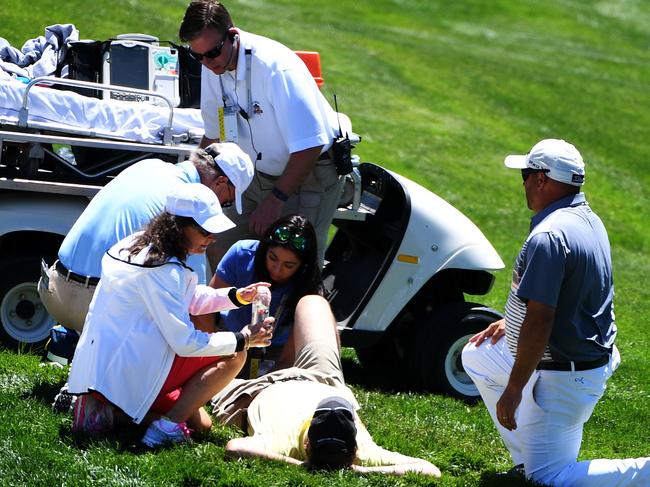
(316, 200)
(67, 301)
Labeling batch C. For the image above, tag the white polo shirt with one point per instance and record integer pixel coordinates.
(289, 113)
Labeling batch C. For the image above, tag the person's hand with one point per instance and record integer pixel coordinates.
(267, 211)
(496, 330)
(249, 292)
(260, 335)
(506, 407)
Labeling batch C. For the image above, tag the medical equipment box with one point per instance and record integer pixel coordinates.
(138, 61)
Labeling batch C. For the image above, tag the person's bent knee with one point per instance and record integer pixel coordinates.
(237, 359)
(311, 301)
(470, 355)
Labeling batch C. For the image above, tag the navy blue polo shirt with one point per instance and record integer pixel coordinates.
(566, 263)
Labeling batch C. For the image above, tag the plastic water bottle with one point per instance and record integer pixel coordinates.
(259, 312)
(260, 305)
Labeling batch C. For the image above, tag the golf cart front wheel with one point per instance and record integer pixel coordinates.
(441, 346)
(24, 319)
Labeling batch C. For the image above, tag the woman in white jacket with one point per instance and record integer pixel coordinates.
(139, 352)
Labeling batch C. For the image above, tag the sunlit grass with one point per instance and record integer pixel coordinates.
(440, 92)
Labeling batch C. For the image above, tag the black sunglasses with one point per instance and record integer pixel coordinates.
(283, 235)
(215, 52)
(528, 171)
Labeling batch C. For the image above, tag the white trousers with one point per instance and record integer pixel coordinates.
(555, 405)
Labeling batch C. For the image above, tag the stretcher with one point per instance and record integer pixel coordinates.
(52, 135)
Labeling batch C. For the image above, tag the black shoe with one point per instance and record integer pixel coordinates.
(63, 401)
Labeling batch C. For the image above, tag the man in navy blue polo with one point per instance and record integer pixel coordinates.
(543, 368)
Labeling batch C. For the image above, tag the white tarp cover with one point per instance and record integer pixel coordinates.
(65, 111)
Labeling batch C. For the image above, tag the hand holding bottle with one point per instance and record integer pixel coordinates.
(247, 294)
(260, 334)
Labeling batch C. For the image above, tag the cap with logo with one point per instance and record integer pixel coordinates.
(235, 164)
(199, 202)
(560, 160)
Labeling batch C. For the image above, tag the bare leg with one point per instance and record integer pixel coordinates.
(314, 322)
(200, 389)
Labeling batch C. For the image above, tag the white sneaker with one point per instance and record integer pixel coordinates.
(164, 432)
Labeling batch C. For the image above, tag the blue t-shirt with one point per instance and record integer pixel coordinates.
(123, 207)
(566, 263)
(237, 269)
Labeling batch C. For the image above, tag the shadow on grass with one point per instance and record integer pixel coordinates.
(492, 479)
(127, 439)
(44, 392)
(380, 378)
(123, 439)
(387, 379)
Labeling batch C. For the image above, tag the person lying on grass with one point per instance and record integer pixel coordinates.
(306, 415)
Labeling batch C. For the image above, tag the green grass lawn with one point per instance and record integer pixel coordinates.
(440, 92)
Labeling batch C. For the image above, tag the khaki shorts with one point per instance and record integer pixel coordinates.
(316, 200)
(67, 301)
(316, 361)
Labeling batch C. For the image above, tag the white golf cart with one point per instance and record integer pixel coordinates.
(397, 270)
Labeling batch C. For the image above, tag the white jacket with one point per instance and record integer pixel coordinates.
(138, 321)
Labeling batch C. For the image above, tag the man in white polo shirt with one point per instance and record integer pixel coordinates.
(258, 93)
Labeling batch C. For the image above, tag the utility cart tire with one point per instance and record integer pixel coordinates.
(440, 345)
(25, 321)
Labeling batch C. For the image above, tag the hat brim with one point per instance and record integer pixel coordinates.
(516, 161)
(217, 224)
(334, 402)
(238, 204)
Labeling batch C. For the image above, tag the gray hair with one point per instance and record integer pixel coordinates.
(205, 164)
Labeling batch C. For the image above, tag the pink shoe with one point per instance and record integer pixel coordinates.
(163, 432)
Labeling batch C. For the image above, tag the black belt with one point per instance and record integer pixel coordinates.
(72, 276)
(566, 366)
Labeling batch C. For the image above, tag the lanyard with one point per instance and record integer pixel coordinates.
(248, 55)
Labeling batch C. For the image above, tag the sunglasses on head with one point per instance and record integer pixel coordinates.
(283, 235)
(529, 170)
(215, 52)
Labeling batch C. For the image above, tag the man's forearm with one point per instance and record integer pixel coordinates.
(206, 142)
(533, 338)
(250, 447)
(417, 466)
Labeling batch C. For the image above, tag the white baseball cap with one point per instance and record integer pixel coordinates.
(200, 203)
(561, 161)
(235, 164)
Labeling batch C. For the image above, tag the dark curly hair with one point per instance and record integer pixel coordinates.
(165, 235)
(307, 279)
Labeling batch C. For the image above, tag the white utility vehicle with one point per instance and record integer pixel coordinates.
(397, 270)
